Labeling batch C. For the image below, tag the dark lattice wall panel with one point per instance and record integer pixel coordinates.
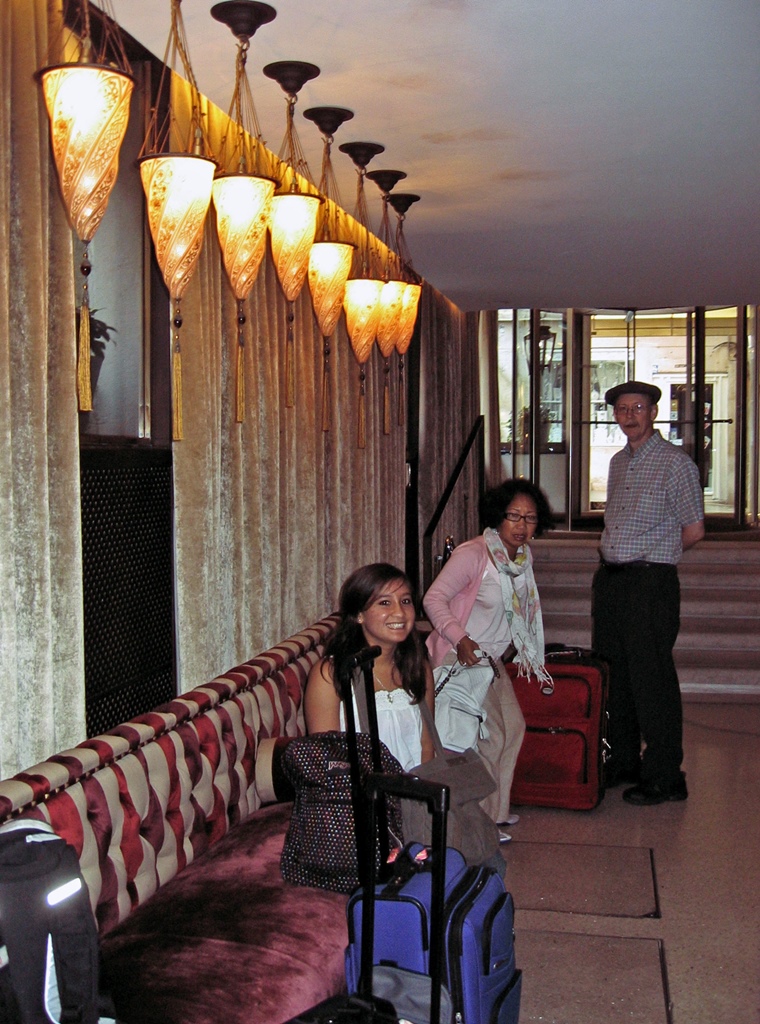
(128, 586)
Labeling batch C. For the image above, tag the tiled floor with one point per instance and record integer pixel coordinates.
(648, 914)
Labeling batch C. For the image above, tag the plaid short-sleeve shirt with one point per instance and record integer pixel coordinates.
(652, 494)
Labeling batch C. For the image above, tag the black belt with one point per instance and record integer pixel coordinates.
(639, 563)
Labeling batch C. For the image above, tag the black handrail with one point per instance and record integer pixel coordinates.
(427, 537)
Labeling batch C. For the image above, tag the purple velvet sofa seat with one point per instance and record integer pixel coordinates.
(182, 862)
(227, 940)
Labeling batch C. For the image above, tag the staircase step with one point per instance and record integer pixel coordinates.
(718, 649)
(702, 671)
(721, 602)
(733, 634)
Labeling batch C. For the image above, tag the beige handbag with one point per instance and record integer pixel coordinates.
(470, 830)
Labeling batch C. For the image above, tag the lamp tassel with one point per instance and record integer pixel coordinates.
(326, 410)
(84, 381)
(290, 368)
(362, 438)
(401, 391)
(240, 390)
(177, 429)
(240, 371)
(387, 399)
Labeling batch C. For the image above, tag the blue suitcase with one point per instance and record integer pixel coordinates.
(482, 977)
(480, 972)
(433, 921)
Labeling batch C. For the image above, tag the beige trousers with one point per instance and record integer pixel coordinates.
(506, 728)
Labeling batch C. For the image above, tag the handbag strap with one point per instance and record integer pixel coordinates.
(360, 696)
(446, 678)
(429, 720)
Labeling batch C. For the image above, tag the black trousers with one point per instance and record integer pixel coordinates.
(636, 618)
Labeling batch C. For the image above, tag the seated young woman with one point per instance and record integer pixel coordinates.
(377, 608)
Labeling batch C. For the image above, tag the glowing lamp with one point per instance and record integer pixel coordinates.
(88, 108)
(293, 226)
(177, 190)
(329, 267)
(408, 317)
(391, 313)
(243, 203)
(404, 337)
(362, 305)
(391, 310)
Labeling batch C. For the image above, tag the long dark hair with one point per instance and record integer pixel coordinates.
(495, 502)
(356, 595)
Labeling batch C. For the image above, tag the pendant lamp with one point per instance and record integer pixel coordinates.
(362, 297)
(401, 202)
(177, 186)
(294, 213)
(392, 294)
(242, 193)
(87, 103)
(330, 258)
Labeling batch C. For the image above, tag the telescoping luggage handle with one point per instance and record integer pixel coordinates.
(436, 796)
(363, 660)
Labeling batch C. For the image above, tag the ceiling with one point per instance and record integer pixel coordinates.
(584, 153)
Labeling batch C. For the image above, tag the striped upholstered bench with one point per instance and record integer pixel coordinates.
(182, 862)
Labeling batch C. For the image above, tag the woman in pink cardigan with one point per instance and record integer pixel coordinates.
(485, 600)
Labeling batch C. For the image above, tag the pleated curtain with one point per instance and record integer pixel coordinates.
(41, 618)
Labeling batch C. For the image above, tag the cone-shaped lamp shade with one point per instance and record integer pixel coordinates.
(329, 267)
(178, 192)
(243, 203)
(391, 314)
(408, 317)
(293, 226)
(88, 107)
(362, 306)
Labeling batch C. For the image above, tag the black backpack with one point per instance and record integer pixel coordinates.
(42, 893)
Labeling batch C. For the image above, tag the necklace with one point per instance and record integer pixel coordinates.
(388, 691)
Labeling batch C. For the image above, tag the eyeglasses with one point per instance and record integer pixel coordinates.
(514, 517)
(623, 410)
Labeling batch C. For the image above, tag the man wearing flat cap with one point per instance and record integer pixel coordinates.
(654, 512)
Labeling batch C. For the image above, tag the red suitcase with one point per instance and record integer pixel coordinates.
(561, 762)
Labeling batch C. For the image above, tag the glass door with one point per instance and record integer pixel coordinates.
(630, 345)
(720, 403)
(666, 349)
(533, 405)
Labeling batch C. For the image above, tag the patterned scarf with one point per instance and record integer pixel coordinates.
(525, 621)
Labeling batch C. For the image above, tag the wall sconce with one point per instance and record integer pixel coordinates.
(329, 259)
(87, 102)
(401, 201)
(177, 188)
(362, 298)
(294, 213)
(242, 197)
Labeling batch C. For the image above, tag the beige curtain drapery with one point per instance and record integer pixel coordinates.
(273, 513)
(41, 619)
(488, 350)
(449, 407)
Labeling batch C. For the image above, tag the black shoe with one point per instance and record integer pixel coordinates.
(617, 776)
(646, 794)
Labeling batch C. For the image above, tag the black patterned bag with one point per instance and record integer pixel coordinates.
(320, 845)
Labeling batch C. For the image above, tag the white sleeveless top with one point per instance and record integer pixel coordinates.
(399, 724)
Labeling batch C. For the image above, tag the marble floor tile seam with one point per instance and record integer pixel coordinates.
(557, 840)
(569, 922)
